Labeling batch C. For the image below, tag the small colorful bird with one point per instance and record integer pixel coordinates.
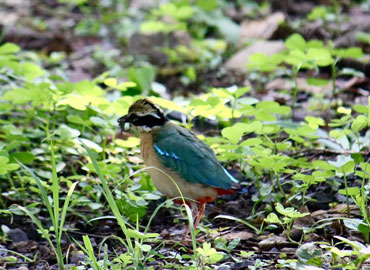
(175, 154)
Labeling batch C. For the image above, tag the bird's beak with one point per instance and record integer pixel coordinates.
(123, 122)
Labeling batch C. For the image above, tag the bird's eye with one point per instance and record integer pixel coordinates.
(133, 118)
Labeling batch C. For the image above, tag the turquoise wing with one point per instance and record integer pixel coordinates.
(181, 151)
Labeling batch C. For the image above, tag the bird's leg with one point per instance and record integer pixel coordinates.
(194, 212)
(202, 207)
(198, 213)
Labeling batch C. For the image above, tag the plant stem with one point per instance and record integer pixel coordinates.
(233, 111)
(337, 15)
(295, 90)
(333, 78)
(272, 181)
(258, 185)
(304, 196)
(347, 196)
(364, 209)
(279, 183)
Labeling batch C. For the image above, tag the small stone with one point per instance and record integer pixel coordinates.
(273, 242)
(17, 235)
(261, 29)
(242, 235)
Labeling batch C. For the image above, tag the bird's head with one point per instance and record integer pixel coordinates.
(143, 115)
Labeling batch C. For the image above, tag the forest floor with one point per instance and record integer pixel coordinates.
(306, 178)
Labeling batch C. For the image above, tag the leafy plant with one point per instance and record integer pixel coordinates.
(302, 54)
(289, 215)
(56, 214)
(208, 254)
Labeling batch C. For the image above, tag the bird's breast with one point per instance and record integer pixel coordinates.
(167, 181)
(146, 147)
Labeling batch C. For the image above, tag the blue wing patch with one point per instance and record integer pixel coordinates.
(230, 176)
(158, 150)
(181, 151)
(164, 153)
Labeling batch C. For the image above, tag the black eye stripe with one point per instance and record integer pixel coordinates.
(148, 121)
(133, 118)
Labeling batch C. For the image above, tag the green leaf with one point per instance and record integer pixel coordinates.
(259, 61)
(272, 218)
(90, 144)
(241, 91)
(161, 27)
(9, 48)
(121, 106)
(168, 104)
(5, 167)
(318, 12)
(207, 5)
(289, 212)
(269, 106)
(31, 71)
(295, 41)
(129, 143)
(347, 168)
(87, 88)
(177, 12)
(314, 43)
(143, 76)
(137, 235)
(357, 158)
(23, 157)
(351, 191)
(353, 52)
(209, 254)
(363, 37)
(191, 73)
(314, 122)
(321, 57)
(65, 132)
(265, 116)
(365, 167)
(262, 62)
(308, 251)
(251, 142)
(111, 82)
(98, 121)
(323, 165)
(227, 27)
(296, 58)
(343, 110)
(365, 229)
(145, 247)
(74, 101)
(361, 109)
(359, 123)
(75, 119)
(233, 134)
(317, 81)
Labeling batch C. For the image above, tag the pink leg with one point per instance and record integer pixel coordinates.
(202, 207)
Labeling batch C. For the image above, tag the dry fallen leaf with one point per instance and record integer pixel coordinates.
(260, 29)
(242, 235)
(274, 241)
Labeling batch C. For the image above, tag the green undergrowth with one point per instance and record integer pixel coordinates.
(58, 146)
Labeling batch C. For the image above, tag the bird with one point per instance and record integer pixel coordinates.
(179, 163)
